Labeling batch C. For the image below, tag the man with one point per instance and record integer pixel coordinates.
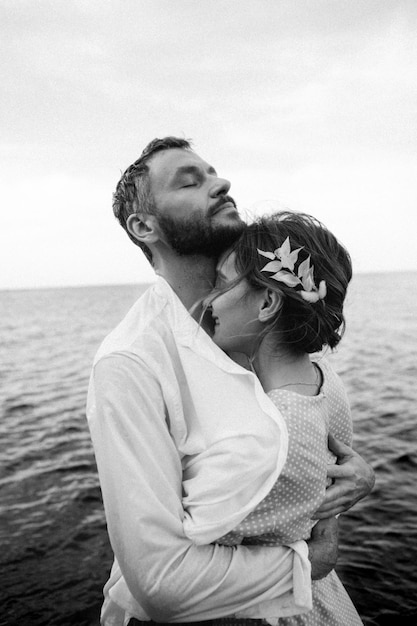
(169, 414)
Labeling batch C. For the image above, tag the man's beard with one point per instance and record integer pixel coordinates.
(198, 235)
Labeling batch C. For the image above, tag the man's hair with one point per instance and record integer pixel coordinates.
(133, 193)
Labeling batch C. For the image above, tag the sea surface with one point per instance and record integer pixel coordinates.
(55, 555)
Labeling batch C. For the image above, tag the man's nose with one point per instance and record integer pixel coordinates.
(220, 187)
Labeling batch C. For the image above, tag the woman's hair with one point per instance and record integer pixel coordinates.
(301, 326)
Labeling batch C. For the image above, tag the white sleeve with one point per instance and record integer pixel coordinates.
(141, 480)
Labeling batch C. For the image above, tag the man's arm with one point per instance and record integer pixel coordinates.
(141, 479)
(323, 547)
(354, 479)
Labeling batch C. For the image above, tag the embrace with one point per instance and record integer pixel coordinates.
(222, 436)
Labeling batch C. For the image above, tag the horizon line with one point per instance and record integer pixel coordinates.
(149, 282)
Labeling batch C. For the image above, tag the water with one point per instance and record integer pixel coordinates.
(55, 555)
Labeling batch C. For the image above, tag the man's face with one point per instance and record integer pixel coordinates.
(194, 212)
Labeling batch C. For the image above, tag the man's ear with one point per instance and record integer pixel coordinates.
(143, 227)
(270, 305)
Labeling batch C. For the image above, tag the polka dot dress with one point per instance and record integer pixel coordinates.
(284, 516)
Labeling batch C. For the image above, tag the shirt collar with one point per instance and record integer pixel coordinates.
(180, 319)
(189, 333)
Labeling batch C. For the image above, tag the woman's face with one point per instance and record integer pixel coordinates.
(235, 312)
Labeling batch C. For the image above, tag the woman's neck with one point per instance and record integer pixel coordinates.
(277, 368)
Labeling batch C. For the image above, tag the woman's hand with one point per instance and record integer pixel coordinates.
(353, 480)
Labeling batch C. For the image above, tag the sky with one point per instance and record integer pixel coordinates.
(308, 105)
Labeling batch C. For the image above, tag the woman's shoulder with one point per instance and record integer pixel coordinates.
(329, 374)
(335, 392)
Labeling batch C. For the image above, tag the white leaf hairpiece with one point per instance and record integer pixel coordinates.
(282, 263)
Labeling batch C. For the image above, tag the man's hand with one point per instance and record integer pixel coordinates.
(323, 548)
(354, 479)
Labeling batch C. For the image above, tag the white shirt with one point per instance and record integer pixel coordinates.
(169, 412)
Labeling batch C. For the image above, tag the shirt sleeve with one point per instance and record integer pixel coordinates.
(141, 480)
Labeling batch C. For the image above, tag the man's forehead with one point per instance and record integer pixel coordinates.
(168, 162)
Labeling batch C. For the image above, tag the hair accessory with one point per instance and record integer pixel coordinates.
(282, 263)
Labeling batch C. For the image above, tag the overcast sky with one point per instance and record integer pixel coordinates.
(305, 104)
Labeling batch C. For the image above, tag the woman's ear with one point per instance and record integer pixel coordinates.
(270, 305)
(143, 227)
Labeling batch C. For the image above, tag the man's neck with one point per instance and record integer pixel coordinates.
(191, 277)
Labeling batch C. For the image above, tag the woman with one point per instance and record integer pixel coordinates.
(278, 299)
